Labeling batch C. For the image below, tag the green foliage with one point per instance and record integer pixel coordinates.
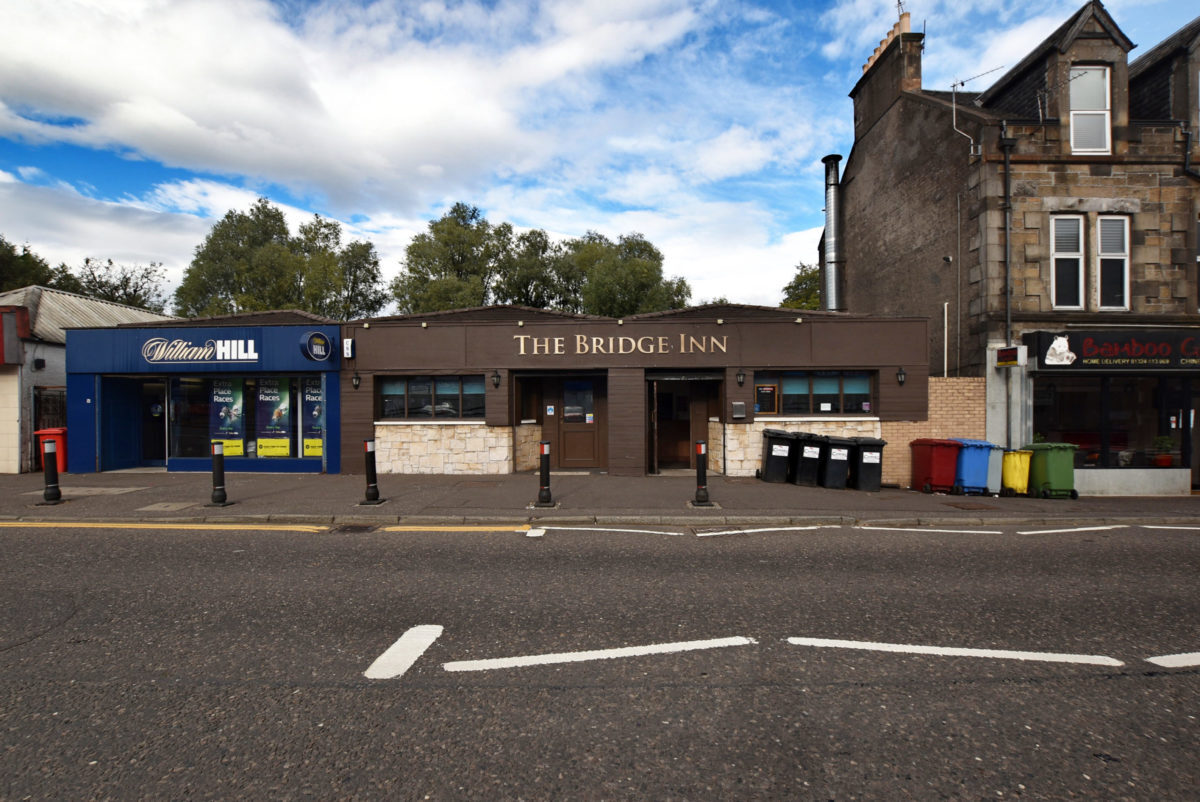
(24, 268)
(250, 262)
(804, 290)
(123, 284)
(465, 261)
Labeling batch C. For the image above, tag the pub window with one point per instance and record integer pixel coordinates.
(1090, 110)
(824, 392)
(1066, 261)
(1114, 262)
(428, 397)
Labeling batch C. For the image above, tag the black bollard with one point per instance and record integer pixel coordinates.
(52, 494)
(701, 475)
(372, 478)
(218, 473)
(544, 499)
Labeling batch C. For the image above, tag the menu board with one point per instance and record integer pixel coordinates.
(766, 399)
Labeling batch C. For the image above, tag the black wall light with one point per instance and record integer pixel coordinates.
(356, 380)
(900, 376)
(496, 379)
(741, 378)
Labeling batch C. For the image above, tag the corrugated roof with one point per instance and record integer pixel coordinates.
(273, 317)
(52, 312)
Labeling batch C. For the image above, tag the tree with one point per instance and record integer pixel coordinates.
(528, 272)
(453, 264)
(804, 290)
(624, 277)
(123, 284)
(24, 268)
(250, 262)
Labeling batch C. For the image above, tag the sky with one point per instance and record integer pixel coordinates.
(129, 127)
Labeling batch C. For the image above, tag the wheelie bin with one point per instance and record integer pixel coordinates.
(866, 463)
(808, 459)
(835, 462)
(777, 455)
(1015, 473)
(59, 435)
(1052, 470)
(976, 471)
(934, 464)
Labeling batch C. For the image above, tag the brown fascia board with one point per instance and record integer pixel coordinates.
(1061, 39)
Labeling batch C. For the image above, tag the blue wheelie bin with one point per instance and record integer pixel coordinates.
(978, 468)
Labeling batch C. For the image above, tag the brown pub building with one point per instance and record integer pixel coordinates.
(474, 391)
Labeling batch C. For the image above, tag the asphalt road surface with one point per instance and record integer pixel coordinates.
(823, 663)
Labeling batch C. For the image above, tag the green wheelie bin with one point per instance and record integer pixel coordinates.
(1052, 470)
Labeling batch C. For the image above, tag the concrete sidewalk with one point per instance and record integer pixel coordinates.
(155, 495)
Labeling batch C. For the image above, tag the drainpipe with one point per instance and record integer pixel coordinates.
(1188, 170)
(1007, 144)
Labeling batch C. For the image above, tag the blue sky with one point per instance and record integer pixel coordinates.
(128, 127)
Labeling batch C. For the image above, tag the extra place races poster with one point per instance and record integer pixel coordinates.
(274, 418)
(225, 422)
(312, 412)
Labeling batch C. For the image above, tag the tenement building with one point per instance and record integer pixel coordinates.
(1047, 226)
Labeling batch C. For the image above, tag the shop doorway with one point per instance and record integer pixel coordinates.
(679, 408)
(133, 423)
(154, 423)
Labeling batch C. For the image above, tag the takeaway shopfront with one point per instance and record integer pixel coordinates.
(1127, 399)
(476, 391)
(160, 396)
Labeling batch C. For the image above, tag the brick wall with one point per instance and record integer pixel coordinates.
(957, 408)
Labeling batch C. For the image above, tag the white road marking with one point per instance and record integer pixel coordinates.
(404, 652)
(923, 529)
(1076, 529)
(1180, 528)
(943, 651)
(535, 533)
(1176, 660)
(766, 529)
(597, 654)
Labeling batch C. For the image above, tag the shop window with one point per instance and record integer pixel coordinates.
(1066, 260)
(260, 417)
(1090, 110)
(428, 397)
(1114, 262)
(1115, 421)
(812, 393)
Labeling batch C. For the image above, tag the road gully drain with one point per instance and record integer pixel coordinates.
(351, 529)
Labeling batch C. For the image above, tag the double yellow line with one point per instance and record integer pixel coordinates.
(312, 529)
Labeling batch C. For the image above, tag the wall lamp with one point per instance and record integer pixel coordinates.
(741, 378)
(900, 376)
(496, 379)
(356, 380)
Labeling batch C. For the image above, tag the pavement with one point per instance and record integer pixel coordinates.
(156, 496)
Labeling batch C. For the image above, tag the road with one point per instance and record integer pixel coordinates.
(823, 663)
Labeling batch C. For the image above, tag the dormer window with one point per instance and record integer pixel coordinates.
(1091, 110)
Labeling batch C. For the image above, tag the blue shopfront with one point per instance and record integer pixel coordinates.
(154, 396)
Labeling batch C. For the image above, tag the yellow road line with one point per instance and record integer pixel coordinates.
(490, 528)
(163, 525)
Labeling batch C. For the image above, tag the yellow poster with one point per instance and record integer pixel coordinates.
(275, 447)
(312, 447)
(232, 448)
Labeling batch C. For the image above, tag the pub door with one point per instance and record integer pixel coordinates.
(679, 410)
(576, 422)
